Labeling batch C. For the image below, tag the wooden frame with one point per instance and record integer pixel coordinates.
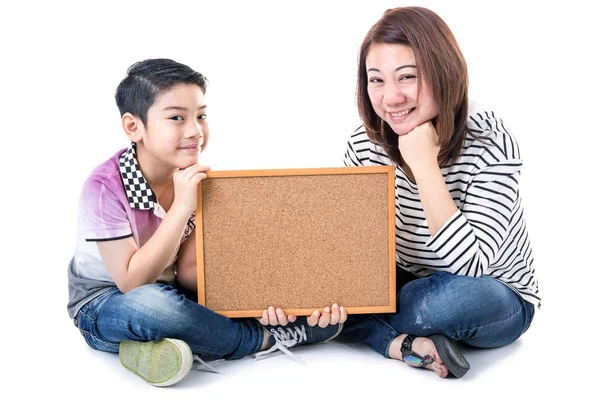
(221, 256)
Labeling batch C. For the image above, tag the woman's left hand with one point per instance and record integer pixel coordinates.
(330, 316)
(419, 148)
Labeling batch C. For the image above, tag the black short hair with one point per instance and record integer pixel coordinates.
(146, 79)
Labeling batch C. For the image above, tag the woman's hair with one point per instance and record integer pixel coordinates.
(439, 61)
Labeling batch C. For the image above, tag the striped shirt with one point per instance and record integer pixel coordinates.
(487, 236)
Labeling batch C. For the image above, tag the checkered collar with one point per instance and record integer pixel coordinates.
(139, 193)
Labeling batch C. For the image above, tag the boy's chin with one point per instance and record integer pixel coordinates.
(187, 163)
(184, 166)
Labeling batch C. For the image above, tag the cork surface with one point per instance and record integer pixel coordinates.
(297, 242)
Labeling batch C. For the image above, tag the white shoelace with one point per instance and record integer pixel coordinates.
(201, 365)
(285, 337)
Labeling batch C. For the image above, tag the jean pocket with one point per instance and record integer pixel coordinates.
(98, 344)
(87, 313)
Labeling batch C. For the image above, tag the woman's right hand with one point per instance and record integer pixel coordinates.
(420, 147)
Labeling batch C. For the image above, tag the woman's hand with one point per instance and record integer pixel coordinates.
(331, 316)
(420, 148)
(274, 317)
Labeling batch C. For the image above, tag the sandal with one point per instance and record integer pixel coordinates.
(449, 353)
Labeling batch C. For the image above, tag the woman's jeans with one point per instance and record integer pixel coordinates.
(163, 310)
(481, 312)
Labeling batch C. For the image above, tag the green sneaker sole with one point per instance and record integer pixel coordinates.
(161, 363)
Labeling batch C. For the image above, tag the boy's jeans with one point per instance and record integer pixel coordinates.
(163, 310)
(481, 312)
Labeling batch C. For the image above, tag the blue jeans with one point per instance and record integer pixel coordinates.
(163, 310)
(481, 312)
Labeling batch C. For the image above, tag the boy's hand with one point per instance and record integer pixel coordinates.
(185, 183)
(331, 316)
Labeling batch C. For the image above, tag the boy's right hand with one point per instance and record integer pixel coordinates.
(331, 316)
(185, 183)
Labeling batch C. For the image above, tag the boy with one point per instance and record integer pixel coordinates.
(132, 278)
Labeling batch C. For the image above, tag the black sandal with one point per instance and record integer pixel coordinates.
(449, 353)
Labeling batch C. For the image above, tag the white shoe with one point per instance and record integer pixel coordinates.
(161, 363)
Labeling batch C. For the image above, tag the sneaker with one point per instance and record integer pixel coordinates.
(297, 333)
(161, 363)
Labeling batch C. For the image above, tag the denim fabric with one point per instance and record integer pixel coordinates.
(481, 312)
(160, 310)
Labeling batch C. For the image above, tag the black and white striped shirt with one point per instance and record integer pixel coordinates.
(487, 235)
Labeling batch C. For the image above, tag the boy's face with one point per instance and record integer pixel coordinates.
(176, 129)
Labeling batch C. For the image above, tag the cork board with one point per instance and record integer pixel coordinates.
(299, 239)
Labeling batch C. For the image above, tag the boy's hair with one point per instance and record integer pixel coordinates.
(146, 79)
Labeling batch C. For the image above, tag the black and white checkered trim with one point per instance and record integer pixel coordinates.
(139, 193)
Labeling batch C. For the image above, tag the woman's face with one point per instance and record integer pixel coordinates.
(393, 79)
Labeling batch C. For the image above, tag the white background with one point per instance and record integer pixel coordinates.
(281, 95)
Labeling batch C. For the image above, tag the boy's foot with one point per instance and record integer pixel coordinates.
(297, 333)
(161, 363)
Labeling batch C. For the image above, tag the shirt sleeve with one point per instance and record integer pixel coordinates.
(359, 143)
(471, 238)
(103, 214)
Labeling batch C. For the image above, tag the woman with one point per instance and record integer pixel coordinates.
(465, 266)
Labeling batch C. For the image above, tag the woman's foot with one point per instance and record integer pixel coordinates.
(423, 347)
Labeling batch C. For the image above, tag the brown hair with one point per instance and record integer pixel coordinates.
(439, 60)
